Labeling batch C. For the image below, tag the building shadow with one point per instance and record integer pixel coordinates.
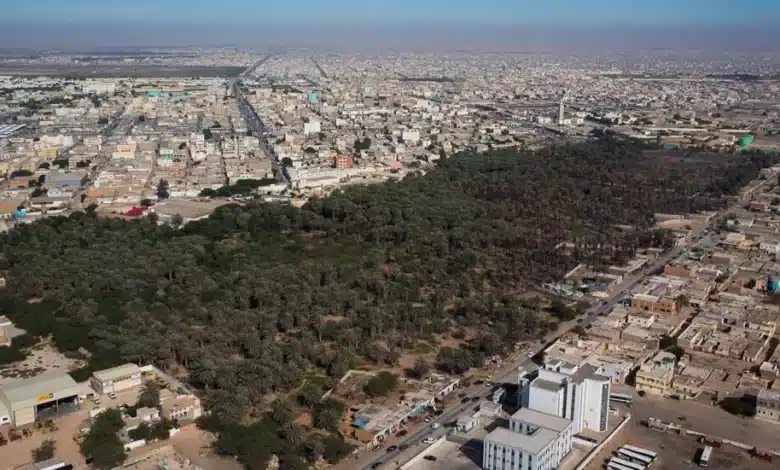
(472, 449)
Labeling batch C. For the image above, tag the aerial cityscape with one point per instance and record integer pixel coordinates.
(393, 246)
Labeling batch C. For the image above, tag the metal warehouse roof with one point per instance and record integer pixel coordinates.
(30, 389)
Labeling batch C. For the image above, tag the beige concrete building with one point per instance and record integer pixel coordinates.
(656, 375)
(116, 379)
(768, 405)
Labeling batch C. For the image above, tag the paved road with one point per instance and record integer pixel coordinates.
(508, 373)
(256, 125)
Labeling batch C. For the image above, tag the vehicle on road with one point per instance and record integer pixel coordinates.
(428, 440)
(428, 420)
(432, 458)
(112, 395)
(403, 447)
(401, 433)
(376, 465)
(392, 448)
(439, 412)
(465, 400)
(435, 425)
(474, 398)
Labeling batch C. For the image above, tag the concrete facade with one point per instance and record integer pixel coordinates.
(576, 393)
(534, 441)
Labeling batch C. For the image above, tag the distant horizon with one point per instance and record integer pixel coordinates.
(517, 37)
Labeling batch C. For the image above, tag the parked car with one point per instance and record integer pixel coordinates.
(112, 395)
(435, 425)
(392, 448)
(465, 400)
(428, 440)
(402, 433)
(432, 458)
(376, 465)
(428, 419)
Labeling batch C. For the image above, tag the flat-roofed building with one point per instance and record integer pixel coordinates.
(46, 396)
(535, 441)
(656, 375)
(768, 405)
(182, 408)
(116, 379)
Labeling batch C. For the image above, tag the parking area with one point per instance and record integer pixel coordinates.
(677, 451)
(452, 456)
(705, 418)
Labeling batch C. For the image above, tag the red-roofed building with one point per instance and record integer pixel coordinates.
(135, 212)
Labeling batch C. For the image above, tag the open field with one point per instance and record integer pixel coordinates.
(116, 71)
(677, 451)
(41, 358)
(705, 418)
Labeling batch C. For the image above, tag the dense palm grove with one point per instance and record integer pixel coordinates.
(251, 300)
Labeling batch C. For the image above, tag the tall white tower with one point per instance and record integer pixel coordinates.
(560, 113)
(561, 110)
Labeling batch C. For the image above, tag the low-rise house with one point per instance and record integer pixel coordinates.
(768, 405)
(182, 408)
(116, 379)
(656, 375)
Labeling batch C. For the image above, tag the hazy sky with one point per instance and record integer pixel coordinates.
(371, 25)
(394, 11)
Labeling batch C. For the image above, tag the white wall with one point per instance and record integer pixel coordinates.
(594, 404)
(546, 401)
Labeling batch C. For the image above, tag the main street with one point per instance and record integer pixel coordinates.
(253, 121)
(412, 445)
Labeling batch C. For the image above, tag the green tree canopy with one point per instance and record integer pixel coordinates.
(102, 443)
(45, 451)
(381, 384)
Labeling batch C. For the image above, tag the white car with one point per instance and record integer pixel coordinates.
(428, 420)
(112, 395)
(428, 440)
(435, 425)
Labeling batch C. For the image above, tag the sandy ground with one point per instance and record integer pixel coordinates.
(706, 419)
(41, 358)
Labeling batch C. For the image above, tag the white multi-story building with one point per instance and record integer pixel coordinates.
(534, 441)
(578, 393)
(312, 127)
